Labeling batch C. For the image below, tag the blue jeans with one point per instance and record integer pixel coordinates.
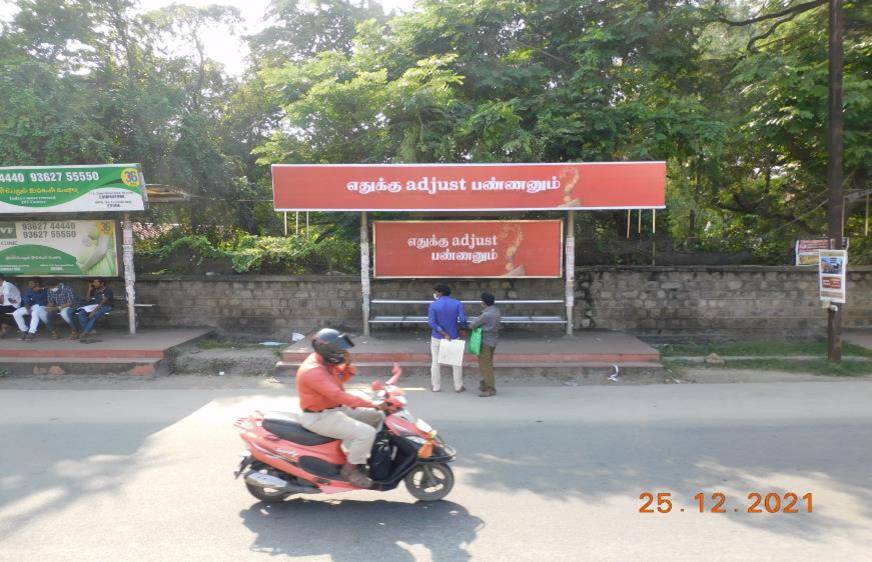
(88, 323)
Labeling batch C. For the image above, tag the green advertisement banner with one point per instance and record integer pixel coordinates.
(59, 248)
(71, 189)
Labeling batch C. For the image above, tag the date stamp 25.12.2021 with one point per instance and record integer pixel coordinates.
(717, 502)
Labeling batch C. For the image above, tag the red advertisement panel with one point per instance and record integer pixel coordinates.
(468, 248)
(461, 187)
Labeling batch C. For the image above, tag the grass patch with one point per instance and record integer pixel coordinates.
(856, 368)
(760, 347)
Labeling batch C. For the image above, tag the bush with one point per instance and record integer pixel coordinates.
(246, 253)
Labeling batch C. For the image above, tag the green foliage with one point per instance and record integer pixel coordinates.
(740, 122)
(86, 82)
(244, 253)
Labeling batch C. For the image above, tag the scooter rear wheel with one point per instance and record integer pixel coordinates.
(266, 494)
(430, 481)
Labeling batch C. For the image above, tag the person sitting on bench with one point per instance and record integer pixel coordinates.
(32, 303)
(63, 302)
(99, 300)
(10, 300)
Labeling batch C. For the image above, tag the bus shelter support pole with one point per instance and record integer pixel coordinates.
(129, 273)
(570, 270)
(364, 270)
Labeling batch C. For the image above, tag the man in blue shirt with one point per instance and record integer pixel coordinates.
(99, 301)
(32, 303)
(446, 316)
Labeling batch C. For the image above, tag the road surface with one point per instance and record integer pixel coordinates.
(143, 472)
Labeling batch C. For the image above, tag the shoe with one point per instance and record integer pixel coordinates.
(55, 335)
(433, 389)
(352, 474)
(74, 335)
(461, 389)
(487, 393)
(23, 336)
(29, 337)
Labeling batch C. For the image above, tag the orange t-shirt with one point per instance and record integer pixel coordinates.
(320, 387)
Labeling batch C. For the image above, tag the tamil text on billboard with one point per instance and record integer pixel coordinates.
(468, 248)
(71, 189)
(59, 248)
(457, 187)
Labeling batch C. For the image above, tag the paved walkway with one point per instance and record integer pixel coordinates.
(113, 343)
(543, 347)
(863, 339)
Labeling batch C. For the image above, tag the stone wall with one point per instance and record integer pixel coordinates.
(655, 301)
(730, 301)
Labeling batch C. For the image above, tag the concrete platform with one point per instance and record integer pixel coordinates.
(587, 350)
(145, 353)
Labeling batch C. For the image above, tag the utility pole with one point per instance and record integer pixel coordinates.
(835, 129)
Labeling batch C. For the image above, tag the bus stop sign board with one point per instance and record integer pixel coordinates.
(71, 189)
(469, 187)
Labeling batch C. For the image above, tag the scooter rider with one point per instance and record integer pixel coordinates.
(330, 411)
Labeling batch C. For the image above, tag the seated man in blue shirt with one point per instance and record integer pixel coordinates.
(99, 301)
(32, 303)
(446, 317)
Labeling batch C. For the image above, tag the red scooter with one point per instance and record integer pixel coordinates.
(285, 459)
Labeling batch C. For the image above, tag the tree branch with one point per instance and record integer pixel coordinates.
(751, 44)
(794, 10)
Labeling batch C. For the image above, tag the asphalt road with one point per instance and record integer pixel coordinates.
(144, 473)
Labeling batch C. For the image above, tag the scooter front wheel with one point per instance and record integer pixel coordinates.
(430, 481)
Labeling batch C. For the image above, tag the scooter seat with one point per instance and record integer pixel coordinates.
(284, 426)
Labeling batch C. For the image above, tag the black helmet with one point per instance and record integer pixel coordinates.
(331, 344)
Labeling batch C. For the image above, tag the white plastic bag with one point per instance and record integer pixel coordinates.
(451, 352)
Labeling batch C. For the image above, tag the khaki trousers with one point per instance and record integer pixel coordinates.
(356, 427)
(436, 369)
(486, 366)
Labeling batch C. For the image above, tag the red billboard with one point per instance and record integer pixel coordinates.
(469, 187)
(468, 248)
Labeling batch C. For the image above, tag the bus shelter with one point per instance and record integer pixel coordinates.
(62, 221)
(498, 244)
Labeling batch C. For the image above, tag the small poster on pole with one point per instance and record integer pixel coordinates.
(833, 264)
(807, 250)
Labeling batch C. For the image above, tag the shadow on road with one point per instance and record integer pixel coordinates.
(361, 530)
(597, 462)
(50, 463)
